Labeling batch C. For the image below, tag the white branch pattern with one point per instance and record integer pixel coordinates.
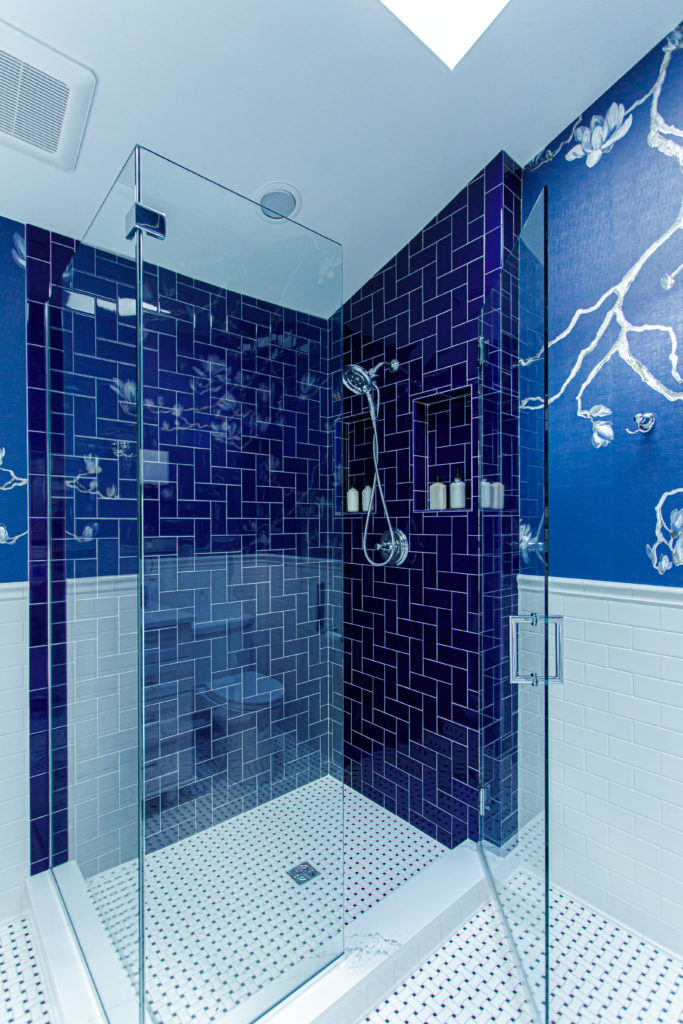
(661, 137)
(615, 313)
(12, 479)
(85, 482)
(9, 483)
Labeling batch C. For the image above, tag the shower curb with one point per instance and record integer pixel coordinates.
(70, 992)
(386, 943)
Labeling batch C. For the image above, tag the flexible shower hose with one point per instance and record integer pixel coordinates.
(377, 486)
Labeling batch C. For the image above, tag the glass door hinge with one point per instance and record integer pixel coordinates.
(483, 800)
(144, 218)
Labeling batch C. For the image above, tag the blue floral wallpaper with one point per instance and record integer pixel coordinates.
(13, 514)
(615, 323)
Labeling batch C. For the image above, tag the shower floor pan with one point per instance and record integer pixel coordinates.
(227, 925)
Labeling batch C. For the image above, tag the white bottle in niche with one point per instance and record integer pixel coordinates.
(485, 496)
(366, 497)
(352, 500)
(437, 495)
(497, 495)
(457, 494)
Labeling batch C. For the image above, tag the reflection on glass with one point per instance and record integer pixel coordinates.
(196, 554)
(242, 614)
(513, 710)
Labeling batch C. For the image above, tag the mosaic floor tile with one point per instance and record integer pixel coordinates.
(223, 917)
(601, 972)
(22, 996)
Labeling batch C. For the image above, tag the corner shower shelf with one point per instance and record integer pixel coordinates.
(442, 446)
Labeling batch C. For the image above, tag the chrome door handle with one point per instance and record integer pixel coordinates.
(526, 651)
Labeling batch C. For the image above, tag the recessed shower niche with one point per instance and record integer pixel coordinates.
(358, 464)
(442, 444)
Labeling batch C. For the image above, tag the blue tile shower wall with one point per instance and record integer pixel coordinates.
(47, 256)
(237, 551)
(242, 616)
(501, 323)
(412, 688)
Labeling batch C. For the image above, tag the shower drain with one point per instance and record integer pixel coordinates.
(303, 872)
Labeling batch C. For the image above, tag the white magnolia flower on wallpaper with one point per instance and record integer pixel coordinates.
(223, 431)
(87, 534)
(127, 392)
(85, 482)
(664, 563)
(603, 431)
(668, 536)
(602, 434)
(600, 134)
(18, 251)
(531, 543)
(5, 537)
(527, 542)
(674, 40)
(11, 480)
(328, 268)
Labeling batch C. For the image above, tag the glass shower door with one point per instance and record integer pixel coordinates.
(93, 606)
(521, 645)
(195, 589)
(240, 340)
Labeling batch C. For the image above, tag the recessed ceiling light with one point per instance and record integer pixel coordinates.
(448, 27)
(278, 200)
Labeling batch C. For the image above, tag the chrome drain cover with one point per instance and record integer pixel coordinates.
(303, 872)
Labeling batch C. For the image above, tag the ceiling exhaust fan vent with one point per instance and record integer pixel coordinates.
(44, 99)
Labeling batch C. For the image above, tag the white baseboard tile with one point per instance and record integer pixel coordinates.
(14, 748)
(616, 754)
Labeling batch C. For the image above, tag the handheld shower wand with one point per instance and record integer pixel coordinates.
(393, 547)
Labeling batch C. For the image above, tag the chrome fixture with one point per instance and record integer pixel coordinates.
(396, 547)
(525, 647)
(145, 219)
(362, 381)
(393, 547)
(644, 422)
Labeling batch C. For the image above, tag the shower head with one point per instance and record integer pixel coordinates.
(357, 379)
(361, 381)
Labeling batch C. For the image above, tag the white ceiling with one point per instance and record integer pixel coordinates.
(335, 96)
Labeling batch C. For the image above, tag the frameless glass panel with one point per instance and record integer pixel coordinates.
(240, 338)
(92, 349)
(516, 663)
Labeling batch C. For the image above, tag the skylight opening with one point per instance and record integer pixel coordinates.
(448, 27)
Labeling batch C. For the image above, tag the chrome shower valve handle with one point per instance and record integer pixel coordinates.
(393, 552)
